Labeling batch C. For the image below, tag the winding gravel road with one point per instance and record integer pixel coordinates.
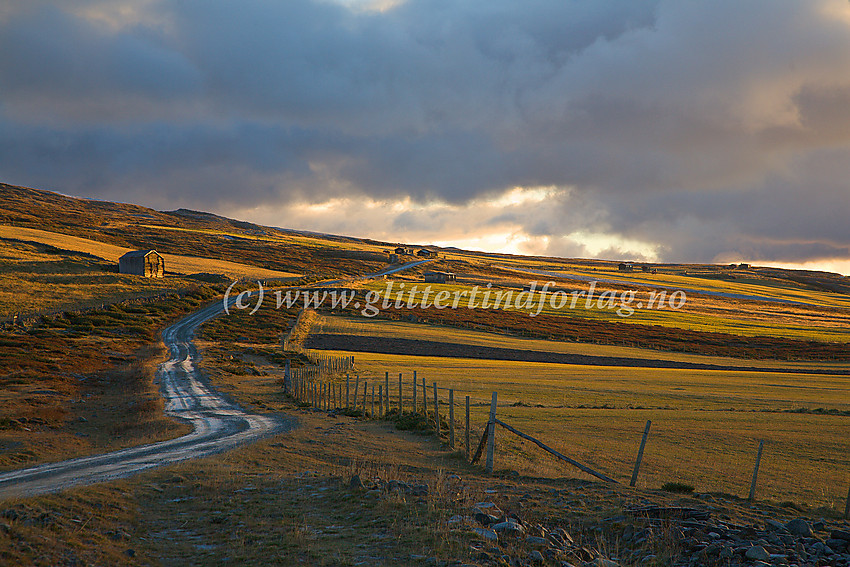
(218, 423)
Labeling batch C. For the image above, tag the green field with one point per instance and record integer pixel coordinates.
(706, 424)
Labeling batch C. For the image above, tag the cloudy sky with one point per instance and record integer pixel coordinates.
(698, 130)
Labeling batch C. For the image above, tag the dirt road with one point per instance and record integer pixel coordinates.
(218, 423)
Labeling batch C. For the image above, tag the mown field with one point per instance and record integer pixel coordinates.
(706, 425)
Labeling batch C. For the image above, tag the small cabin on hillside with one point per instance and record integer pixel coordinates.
(425, 253)
(626, 267)
(404, 251)
(146, 263)
(439, 277)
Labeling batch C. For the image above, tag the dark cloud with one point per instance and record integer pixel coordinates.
(703, 129)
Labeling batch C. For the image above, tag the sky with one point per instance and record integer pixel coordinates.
(648, 130)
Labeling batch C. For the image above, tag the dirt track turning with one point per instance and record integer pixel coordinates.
(218, 423)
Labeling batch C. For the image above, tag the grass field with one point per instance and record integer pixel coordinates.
(706, 424)
(699, 313)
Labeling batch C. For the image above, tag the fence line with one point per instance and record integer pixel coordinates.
(306, 380)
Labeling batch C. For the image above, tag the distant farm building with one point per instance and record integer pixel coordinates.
(743, 266)
(626, 267)
(425, 253)
(404, 251)
(439, 277)
(142, 263)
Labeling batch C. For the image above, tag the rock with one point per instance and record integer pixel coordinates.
(841, 534)
(486, 534)
(838, 545)
(799, 527)
(356, 482)
(455, 520)
(774, 525)
(484, 518)
(536, 541)
(509, 527)
(757, 552)
(536, 556)
(601, 562)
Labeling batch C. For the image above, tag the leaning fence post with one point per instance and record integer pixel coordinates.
(756, 472)
(400, 397)
(491, 434)
(640, 453)
(467, 428)
(415, 385)
(365, 387)
(451, 419)
(387, 389)
(373, 401)
(356, 388)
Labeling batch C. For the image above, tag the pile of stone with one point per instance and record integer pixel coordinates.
(540, 545)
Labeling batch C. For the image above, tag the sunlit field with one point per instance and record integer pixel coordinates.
(706, 425)
(692, 312)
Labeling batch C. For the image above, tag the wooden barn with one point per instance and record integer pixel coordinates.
(142, 263)
(426, 253)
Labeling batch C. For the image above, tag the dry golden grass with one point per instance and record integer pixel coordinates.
(706, 424)
(173, 263)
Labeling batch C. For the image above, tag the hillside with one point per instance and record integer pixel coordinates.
(753, 354)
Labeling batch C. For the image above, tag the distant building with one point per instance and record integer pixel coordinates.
(439, 277)
(743, 266)
(626, 267)
(425, 253)
(404, 251)
(142, 263)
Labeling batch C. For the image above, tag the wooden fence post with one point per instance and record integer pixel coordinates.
(491, 434)
(640, 453)
(436, 412)
(365, 387)
(425, 399)
(381, 401)
(400, 396)
(387, 389)
(347, 391)
(847, 506)
(467, 428)
(373, 401)
(756, 472)
(451, 419)
(415, 386)
(356, 388)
